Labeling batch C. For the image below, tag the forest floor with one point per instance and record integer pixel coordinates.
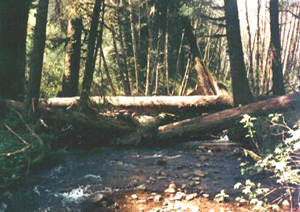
(185, 177)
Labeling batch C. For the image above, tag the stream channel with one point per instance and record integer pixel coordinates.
(119, 173)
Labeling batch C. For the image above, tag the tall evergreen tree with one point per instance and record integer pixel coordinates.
(37, 56)
(278, 85)
(13, 32)
(90, 62)
(72, 59)
(240, 86)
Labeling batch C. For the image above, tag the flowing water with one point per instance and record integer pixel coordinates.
(81, 174)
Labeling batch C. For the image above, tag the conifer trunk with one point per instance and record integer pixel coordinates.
(90, 63)
(240, 86)
(37, 57)
(72, 59)
(13, 32)
(278, 86)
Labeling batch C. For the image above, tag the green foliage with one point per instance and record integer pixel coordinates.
(222, 196)
(282, 164)
(255, 195)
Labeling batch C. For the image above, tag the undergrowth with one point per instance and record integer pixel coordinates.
(19, 149)
(276, 160)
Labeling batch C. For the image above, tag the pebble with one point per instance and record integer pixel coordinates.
(158, 198)
(191, 196)
(170, 190)
(205, 195)
(285, 204)
(199, 173)
(141, 187)
(161, 177)
(172, 185)
(134, 196)
(151, 178)
(185, 175)
(183, 186)
(178, 196)
(96, 197)
(196, 178)
(150, 198)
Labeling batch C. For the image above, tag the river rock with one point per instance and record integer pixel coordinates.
(96, 197)
(185, 175)
(141, 187)
(152, 179)
(205, 195)
(158, 198)
(170, 190)
(191, 196)
(134, 196)
(178, 196)
(196, 178)
(151, 198)
(285, 205)
(199, 173)
(172, 185)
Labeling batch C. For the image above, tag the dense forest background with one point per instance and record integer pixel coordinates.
(141, 47)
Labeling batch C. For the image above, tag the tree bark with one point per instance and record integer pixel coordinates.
(251, 73)
(124, 54)
(203, 72)
(134, 46)
(197, 103)
(13, 28)
(90, 63)
(113, 90)
(227, 118)
(72, 59)
(37, 57)
(240, 86)
(278, 85)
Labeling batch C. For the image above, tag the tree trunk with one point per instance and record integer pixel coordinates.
(90, 63)
(37, 57)
(160, 103)
(251, 73)
(72, 59)
(205, 79)
(166, 52)
(13, 28)
(240, 86)
(119, 62)
(225, 119)
(257, 56)
(113, 90)
(124, 55)
(278, 86)
(179, 54)
(134, 46)
(149, 54)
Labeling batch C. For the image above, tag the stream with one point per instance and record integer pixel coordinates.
(119, 173)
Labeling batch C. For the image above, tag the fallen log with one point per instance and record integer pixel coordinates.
(160, 103)
(101, 124)
(227, 118)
